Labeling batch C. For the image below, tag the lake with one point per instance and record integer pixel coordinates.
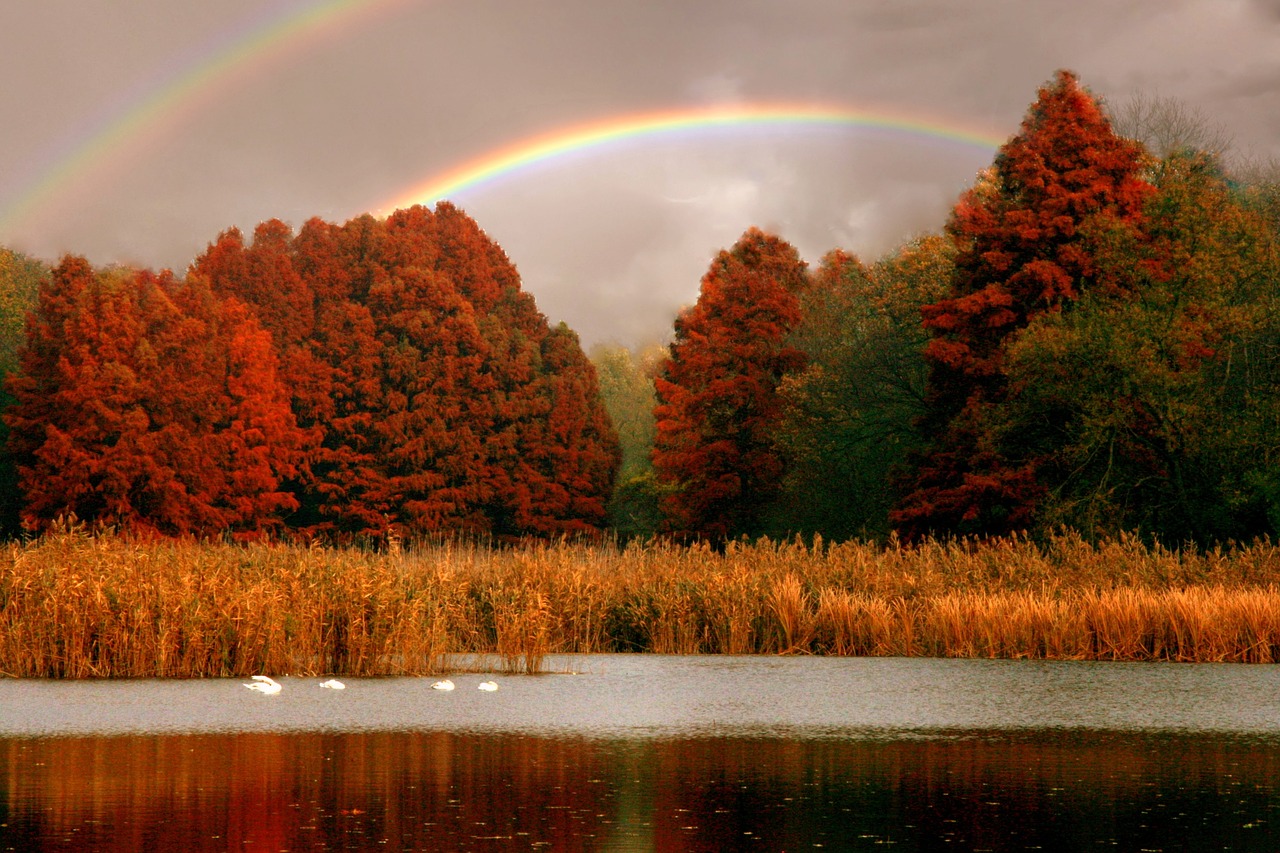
(649, 752)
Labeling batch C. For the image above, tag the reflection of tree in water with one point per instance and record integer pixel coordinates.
(407, 791)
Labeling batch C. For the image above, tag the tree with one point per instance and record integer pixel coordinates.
(1166, 126)
(440, 398)
(576, 449)
(718, 391)
(149, 404)
(850, 414)
(626, 387)
(1022, 236)
(549, 453)
(20, 279)
(1152, 408)
(627, 391)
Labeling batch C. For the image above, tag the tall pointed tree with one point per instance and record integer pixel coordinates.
(718, 391)
(1022, 250)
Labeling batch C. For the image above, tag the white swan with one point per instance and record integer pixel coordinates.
(443, 685)
(488, 686)
(333, 684)
(266, 685)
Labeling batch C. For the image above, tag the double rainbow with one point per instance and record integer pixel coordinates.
(244, 50)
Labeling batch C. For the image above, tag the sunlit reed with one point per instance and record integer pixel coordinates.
(78, 605)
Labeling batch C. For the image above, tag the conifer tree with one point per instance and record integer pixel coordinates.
(1022, 250)
(718, 391)
(439, 395)
(150, 404)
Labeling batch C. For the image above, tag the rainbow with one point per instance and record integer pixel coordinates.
(268, 35)
(561, 142)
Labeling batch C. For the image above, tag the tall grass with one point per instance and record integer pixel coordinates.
(78, 605)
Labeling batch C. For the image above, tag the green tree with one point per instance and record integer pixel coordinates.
(850, 415)
(1151, 406)
(627, 389)
(20, 280)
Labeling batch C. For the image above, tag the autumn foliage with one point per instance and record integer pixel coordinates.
(379, 377)
(150, 405)
(718, 391)
(442, 399)
(1023, 250)
(1093, 345)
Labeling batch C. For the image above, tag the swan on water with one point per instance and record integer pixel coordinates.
(333, 684)
(443, 685)
(489, 686)
(265, 684)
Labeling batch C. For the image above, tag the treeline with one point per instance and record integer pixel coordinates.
(1093, 344)
(381, 378)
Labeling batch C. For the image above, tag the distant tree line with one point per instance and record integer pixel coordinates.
(1092, 343)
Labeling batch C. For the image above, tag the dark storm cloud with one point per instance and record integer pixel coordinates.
(614, 240)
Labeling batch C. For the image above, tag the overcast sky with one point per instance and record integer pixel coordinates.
(135, 132)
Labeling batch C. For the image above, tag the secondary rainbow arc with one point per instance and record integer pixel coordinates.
(269, 34)
(560, 142)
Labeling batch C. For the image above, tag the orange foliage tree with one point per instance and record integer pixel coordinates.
(1022, 250)
(150, 404)
(718, 391)
(439, 397)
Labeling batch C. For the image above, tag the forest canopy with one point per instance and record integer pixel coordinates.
(374, 378)
(1090, 342)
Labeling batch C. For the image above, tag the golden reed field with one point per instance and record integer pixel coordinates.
(77, 605)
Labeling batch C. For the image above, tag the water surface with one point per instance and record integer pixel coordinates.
(645, 752)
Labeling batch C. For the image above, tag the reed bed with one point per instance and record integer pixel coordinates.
(77, 605)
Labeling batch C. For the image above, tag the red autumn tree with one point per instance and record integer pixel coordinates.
(150, 404)
(551, 454)
(575, 450)
(442, 398)
(1022, 250)
(718, 402)
(265, 277)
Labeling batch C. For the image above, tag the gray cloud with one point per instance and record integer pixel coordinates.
(614, 240)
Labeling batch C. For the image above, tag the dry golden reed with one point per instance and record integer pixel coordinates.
(79, 605)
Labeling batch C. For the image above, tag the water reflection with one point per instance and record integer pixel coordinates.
(448, 791)
(655, 754)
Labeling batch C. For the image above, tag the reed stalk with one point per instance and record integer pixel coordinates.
(75, 605)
